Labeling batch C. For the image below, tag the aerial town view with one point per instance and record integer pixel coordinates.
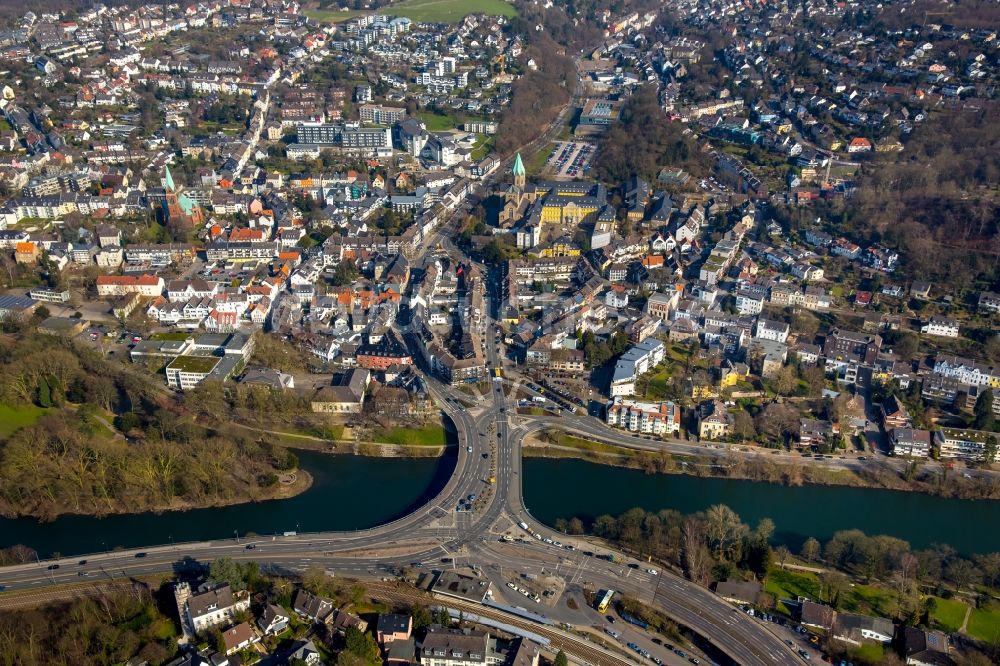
(499, 332)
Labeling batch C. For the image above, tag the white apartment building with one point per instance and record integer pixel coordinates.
(941, 326)
(636, 361)
(662, 418)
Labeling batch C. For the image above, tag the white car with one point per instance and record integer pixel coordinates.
(653, 572)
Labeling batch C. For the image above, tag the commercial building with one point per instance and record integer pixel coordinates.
(123, 285)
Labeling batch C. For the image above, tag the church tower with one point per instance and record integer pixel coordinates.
(178, 208)
(518, 171)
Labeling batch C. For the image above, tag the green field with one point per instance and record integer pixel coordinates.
(870, 600)
(984, 624)
(331, 15)
(432, 435)
(449, 11)
(785, 584)
(484, 144)
(437, 122)
(13, 419)
(174, 336)
(948, 614)
(535, 164)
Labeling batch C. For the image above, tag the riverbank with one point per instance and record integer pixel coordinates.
(561, 489)
(289, 485)
(427, 443)
(758, 468)
(339, 497)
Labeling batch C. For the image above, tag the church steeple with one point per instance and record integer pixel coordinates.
(518, 171)
(168, 180)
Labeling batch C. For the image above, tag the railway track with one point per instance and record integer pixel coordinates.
(580, 649)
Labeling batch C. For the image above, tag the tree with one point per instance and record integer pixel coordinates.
(983, 412)
(743, 426)
(227, 570)
(725, 532)
(787, 381)
(561, 659)
(361, 645)
(810, 550)
(421, 616)
(961, 572)
(41, 313)
(697, 560)
(990, 450)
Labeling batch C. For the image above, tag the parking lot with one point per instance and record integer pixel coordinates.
(571, 159)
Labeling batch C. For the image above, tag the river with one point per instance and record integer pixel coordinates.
(352, 492)
(565, 488)
(348, 492)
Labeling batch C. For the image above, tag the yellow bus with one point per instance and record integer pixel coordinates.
(604, 601)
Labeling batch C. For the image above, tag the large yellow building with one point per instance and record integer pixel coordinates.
(563, 204)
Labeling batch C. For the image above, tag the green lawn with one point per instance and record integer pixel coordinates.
(437, 122)
(449, 11)
(870, 600)
(331, 15)
(13, 419)
(785, 584)
(482, 148)
(432, 435)
(535, 164)
(948, 614)
(333, 432)
(984, 624)
(656, 386)
(173, 336)
(869, 653)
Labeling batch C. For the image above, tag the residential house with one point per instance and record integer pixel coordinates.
(451, 647)
(816, 615)
(739, 592)
(273, 620)
(894, 414)
(210, 608)
(941, 326)
(238, 638)
(308, 605)
(857, 629)
(910, 442)
(926, 648)
(393, 627)
(714, 421)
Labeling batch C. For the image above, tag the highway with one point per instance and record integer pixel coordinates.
(490, 436)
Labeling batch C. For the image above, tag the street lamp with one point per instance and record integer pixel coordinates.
(237, 533)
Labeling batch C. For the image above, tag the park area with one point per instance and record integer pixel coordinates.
(449, 11)
(422, 11)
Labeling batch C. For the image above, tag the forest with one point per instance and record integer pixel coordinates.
(644, 142)
(537, 97)
(109, 437)
(936, 201)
